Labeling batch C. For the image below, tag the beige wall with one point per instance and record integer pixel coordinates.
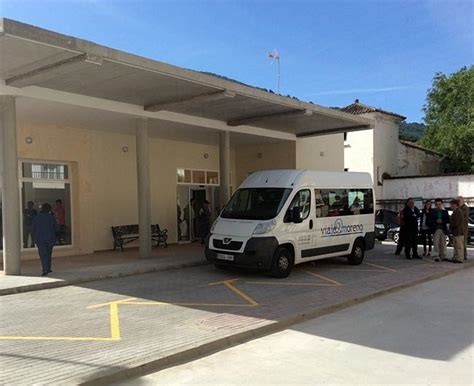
(250, 158)
(104, 176)
(104, 187)
(325, 152)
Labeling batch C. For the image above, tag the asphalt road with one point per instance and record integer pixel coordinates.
(421, 335)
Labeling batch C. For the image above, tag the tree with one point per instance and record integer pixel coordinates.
(449, 114)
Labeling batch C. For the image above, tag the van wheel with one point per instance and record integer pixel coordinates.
(357, 255)
(282, 263)
(396, 237)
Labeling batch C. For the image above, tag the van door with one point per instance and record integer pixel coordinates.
(332, 210)
(300, 230)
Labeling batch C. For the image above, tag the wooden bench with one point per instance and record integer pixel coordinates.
(124, 234)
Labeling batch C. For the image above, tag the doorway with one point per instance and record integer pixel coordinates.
(187, 214)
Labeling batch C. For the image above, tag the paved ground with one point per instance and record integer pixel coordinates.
(100, 265)
(119, 326)
(421, 335)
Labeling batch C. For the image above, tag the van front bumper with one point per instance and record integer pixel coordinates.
(258, 254)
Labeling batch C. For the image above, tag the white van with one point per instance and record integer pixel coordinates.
(279, 218)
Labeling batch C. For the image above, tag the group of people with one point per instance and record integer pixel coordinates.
(199, 225)
(29, 214)
(434, 224)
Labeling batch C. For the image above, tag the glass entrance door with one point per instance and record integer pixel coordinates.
(183, 214)
(190, 200)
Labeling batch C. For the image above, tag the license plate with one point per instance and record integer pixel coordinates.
(222, 256)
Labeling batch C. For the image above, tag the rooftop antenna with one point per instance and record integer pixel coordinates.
(274, 55)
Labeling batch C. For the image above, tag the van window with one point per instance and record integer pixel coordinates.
(256, 203)
(361, 201)
(343, 202)
(302, 200)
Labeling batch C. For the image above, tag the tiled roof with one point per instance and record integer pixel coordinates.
(418, 147)
(357, 108)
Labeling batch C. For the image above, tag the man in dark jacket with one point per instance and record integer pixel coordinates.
(456, 224)
(439, 224)
(44, 234)
(29, 214)
(465, 211)
(204, 221)
(401, 233)
(410, 219)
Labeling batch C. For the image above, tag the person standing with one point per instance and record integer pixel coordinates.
(192, 209)
(60, 215)
(204, 221)
(44, 234)
(426, 228)
(439, 227)
(29, 213)
(465, 211)
(410, 219)
(456, 225)
(401, 233)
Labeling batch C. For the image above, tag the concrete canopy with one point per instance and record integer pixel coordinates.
(38, 63)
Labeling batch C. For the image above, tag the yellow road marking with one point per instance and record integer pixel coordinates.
(291, 283)
(244, 296)
(223, 281)
(110, 303)
(188, 304)
(381, 267)
(114, 322)
(229, 283)
(357, 270)
(114, 329)
(336, 283)
(64, 338)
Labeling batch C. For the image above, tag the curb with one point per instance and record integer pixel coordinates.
(66, 283)
(154, 365)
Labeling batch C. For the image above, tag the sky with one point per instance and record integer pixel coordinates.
(383, 52)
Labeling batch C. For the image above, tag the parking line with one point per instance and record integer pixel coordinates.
(110, 303)
(336, 283)
(291, 283)
(63, 338)
(187, 304)
(381, 267)
(230, 285)
(114, 322)
(114, 329)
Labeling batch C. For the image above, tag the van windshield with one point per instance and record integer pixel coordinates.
(256, 203)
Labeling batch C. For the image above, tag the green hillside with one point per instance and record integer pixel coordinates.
(411, 131)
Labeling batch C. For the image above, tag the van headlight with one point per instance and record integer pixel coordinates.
(213, 226)
(264, 227)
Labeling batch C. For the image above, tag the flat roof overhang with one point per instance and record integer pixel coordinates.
(38, 63)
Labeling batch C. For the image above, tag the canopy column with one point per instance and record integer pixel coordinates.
(224, 166)
(10, 188)
(143, 187)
